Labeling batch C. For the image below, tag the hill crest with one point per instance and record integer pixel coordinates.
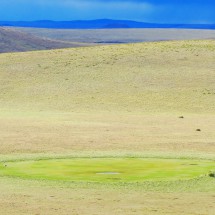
(16, 41)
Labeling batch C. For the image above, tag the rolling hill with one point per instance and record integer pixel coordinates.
(92, 121)
(117, 97)
(148, 77)
(15, 41)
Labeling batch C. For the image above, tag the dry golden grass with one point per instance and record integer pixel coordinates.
(123, 98)
(59, 133)
(165, 77)
(23, 197)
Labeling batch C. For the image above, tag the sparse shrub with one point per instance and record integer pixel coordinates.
(212, 174)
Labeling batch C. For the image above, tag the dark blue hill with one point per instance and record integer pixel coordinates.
(100, 24)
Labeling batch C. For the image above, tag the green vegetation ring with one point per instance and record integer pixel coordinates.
(108, 169)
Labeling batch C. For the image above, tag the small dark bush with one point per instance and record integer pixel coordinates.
(212, 174)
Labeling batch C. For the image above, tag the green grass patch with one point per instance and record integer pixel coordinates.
(105, 170)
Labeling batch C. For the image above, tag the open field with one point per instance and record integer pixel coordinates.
(118, 104)
(129, 132)
(105, 36)
(32, 197)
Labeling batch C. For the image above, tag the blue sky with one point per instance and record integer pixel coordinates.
(161, 11)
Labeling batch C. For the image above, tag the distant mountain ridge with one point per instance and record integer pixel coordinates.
(100, 24)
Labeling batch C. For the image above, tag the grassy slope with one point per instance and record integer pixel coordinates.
(113, 98)
(161, 77)
(12, 40)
